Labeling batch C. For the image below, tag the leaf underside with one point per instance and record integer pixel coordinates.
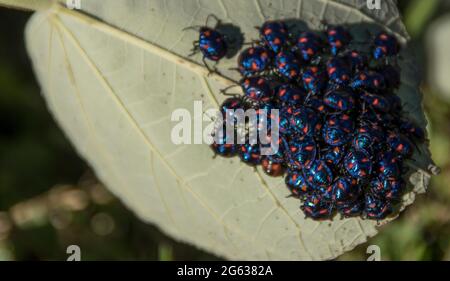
(113, 73)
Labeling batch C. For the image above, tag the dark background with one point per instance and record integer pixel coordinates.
(50, 199)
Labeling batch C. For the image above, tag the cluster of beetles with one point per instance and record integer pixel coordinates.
(342, 135)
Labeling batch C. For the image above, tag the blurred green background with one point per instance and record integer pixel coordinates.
(49, 199)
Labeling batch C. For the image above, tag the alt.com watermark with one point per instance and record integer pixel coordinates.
(237, 126)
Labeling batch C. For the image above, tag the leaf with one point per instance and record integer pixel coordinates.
(113, 73)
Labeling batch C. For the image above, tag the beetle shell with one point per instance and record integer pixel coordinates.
(287, 65)
(358, 164)
(319, 174)
(339, 100)
(316, 208)
(254, 60)
(385, 45)
(296, 183)
(274, 35)
(338, 39)
(301, 152)
(212, 44)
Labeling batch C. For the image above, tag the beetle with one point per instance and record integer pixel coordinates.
(296, 183)
(316, 103)
(254, 60)
(345, 191)
(309, 45)
(388, 188)
(376, 208)
(274, 34)
(333, 155)
(305, 121)
(334, 135)
(319, 174)
(301, 152)
(222, 146)
(358, 164)
(287, 65)
(389, 165)
(257, 89)
(338, 39)
(250, 153)
(342, 121)
(363, 141)
(211, 43)
(385, 45)
(288, 94)
(338, 71)
(314, 79)
(368, 80)
(376, 101)
(316, 208)
(400, 144)
(272, 168)
(339, 100)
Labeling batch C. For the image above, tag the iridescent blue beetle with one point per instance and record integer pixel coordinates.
(274, 35)
(376, 208)
(287, 65)
(334, 136)
(305, 121)
(301, 152)
(297, 184)
(221, 147)
(254, 60)
(390, 189)
(250, 153)
(314, 80)
(316, 103)
(345, 191)
(368, 80)
(376, 101)
(309, 45)
(319, 174)
(363, 141)
(333, 156)
(385, 45)
(316, 208)
(338, 71)
(342, 121)
(211, 43)
(339, 100)
(257, 89)
(400, 144)
(389, 165)
(338, 39)
(288, 94)
(358, 164)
